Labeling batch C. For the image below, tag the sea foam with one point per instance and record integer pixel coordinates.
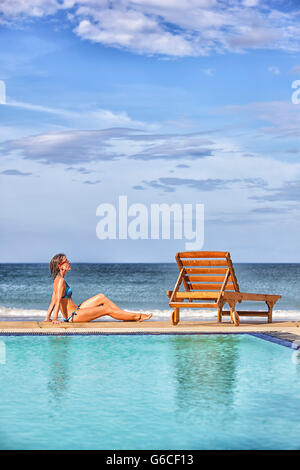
(157, 314)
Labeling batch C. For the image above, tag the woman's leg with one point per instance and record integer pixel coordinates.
(100, 299)
(100, 305)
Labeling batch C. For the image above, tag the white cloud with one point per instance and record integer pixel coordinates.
(73, 147)
(274, 69)
(281, 118)
(100, 117)
(38, 8)
(40, 108)
(205, 158)
(296, 69)
(171, 27)
(250, 3)
(209, 72)
(135, 32)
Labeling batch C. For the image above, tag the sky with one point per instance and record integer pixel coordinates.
(185, 102)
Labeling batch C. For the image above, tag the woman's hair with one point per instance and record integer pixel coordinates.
(53, 265)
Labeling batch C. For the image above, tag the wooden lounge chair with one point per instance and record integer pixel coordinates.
(209, 281)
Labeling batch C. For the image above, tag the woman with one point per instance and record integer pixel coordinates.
(90, 309)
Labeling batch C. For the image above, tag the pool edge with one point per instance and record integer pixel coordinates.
(282, 338)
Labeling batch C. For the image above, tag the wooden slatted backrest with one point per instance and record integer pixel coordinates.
(206, 270)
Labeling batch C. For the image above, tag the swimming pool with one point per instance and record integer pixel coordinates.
(148, 392)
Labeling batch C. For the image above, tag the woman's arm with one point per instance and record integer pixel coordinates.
(51, 307)
(57, 298)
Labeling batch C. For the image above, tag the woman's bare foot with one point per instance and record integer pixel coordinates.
(144, 317)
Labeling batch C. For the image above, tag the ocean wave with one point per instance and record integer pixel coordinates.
(157, 314)
(21, 312)
(278, 315)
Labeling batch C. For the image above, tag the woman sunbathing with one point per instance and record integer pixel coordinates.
(90, 309)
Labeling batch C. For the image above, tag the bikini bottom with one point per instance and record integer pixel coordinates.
(72, 314)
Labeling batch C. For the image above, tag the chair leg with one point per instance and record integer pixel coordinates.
(234, 317)
(270, 310)
(219, 315)
(220, 310)
(175, 316)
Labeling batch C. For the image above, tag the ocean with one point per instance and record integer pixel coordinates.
(26, 289)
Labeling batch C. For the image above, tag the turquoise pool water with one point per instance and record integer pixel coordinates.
(148, 392)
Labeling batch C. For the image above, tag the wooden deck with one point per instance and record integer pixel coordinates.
(147, 327)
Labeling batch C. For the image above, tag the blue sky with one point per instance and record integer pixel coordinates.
(169, 101)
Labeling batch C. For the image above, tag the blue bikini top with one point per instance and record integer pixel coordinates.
(68, 290)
